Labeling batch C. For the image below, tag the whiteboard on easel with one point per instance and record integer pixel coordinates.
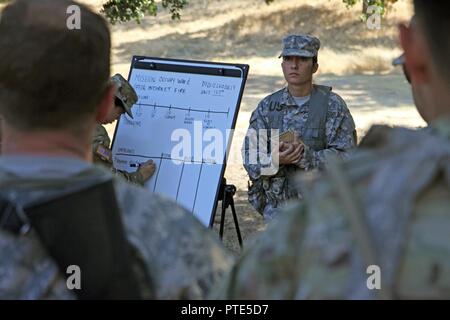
(182, 121)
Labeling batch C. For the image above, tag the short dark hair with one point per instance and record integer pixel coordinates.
(434, 16)
(51, 77)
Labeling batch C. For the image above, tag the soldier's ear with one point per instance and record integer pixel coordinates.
(106, 104)
(315, 67)
(417, 55)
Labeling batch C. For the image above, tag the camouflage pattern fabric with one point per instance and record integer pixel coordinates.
(27, 273)
(125, 93)
(402, 188)
(300, 45)
(339, 136)
(101, 138)
(182, 258)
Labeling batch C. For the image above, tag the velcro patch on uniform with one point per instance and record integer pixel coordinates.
(104, 153)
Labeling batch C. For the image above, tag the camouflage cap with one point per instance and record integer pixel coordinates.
(125, 93)
(300, 45)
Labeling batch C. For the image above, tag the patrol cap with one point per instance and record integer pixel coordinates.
(300, 45)
(399, 60)
(125, 93)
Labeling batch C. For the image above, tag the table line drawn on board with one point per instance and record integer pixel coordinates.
(196, 187)
(179, 182)
(183, 162)
(165, 156)
(170, 107)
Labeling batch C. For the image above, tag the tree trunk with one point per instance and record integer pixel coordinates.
(365, 4)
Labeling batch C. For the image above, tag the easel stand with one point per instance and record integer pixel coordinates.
(226, 194)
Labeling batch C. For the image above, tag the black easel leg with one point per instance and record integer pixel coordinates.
(222, 219)
(236, 223)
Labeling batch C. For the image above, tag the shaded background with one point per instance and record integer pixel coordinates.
(354, 60)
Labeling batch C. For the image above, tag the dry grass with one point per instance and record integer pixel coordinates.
(245, 31)
(251, 32)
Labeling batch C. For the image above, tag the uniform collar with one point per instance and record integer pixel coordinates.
(286, 98)
(42, 166)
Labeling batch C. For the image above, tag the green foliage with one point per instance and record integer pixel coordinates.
(383, 4)
(126, 10)
(350, 3)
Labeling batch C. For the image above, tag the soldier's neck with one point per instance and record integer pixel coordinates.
(46, 143)
(302, 90)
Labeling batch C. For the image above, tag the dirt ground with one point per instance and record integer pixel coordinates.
(354, 60)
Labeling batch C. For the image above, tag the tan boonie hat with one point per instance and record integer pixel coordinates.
(300, 45)
(125, 93)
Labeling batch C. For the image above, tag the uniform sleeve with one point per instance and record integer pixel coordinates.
(101, 138)
(340, 134)
(27, 272)
(132, 177)
(256, 150)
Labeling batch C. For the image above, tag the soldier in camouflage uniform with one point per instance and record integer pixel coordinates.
(385, 212)
(47, 138)
(315, 114)
(126, 97)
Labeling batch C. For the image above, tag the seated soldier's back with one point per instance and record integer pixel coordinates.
(400, 190)
(181, 257)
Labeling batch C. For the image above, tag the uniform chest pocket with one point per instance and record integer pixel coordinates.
(311, 133)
